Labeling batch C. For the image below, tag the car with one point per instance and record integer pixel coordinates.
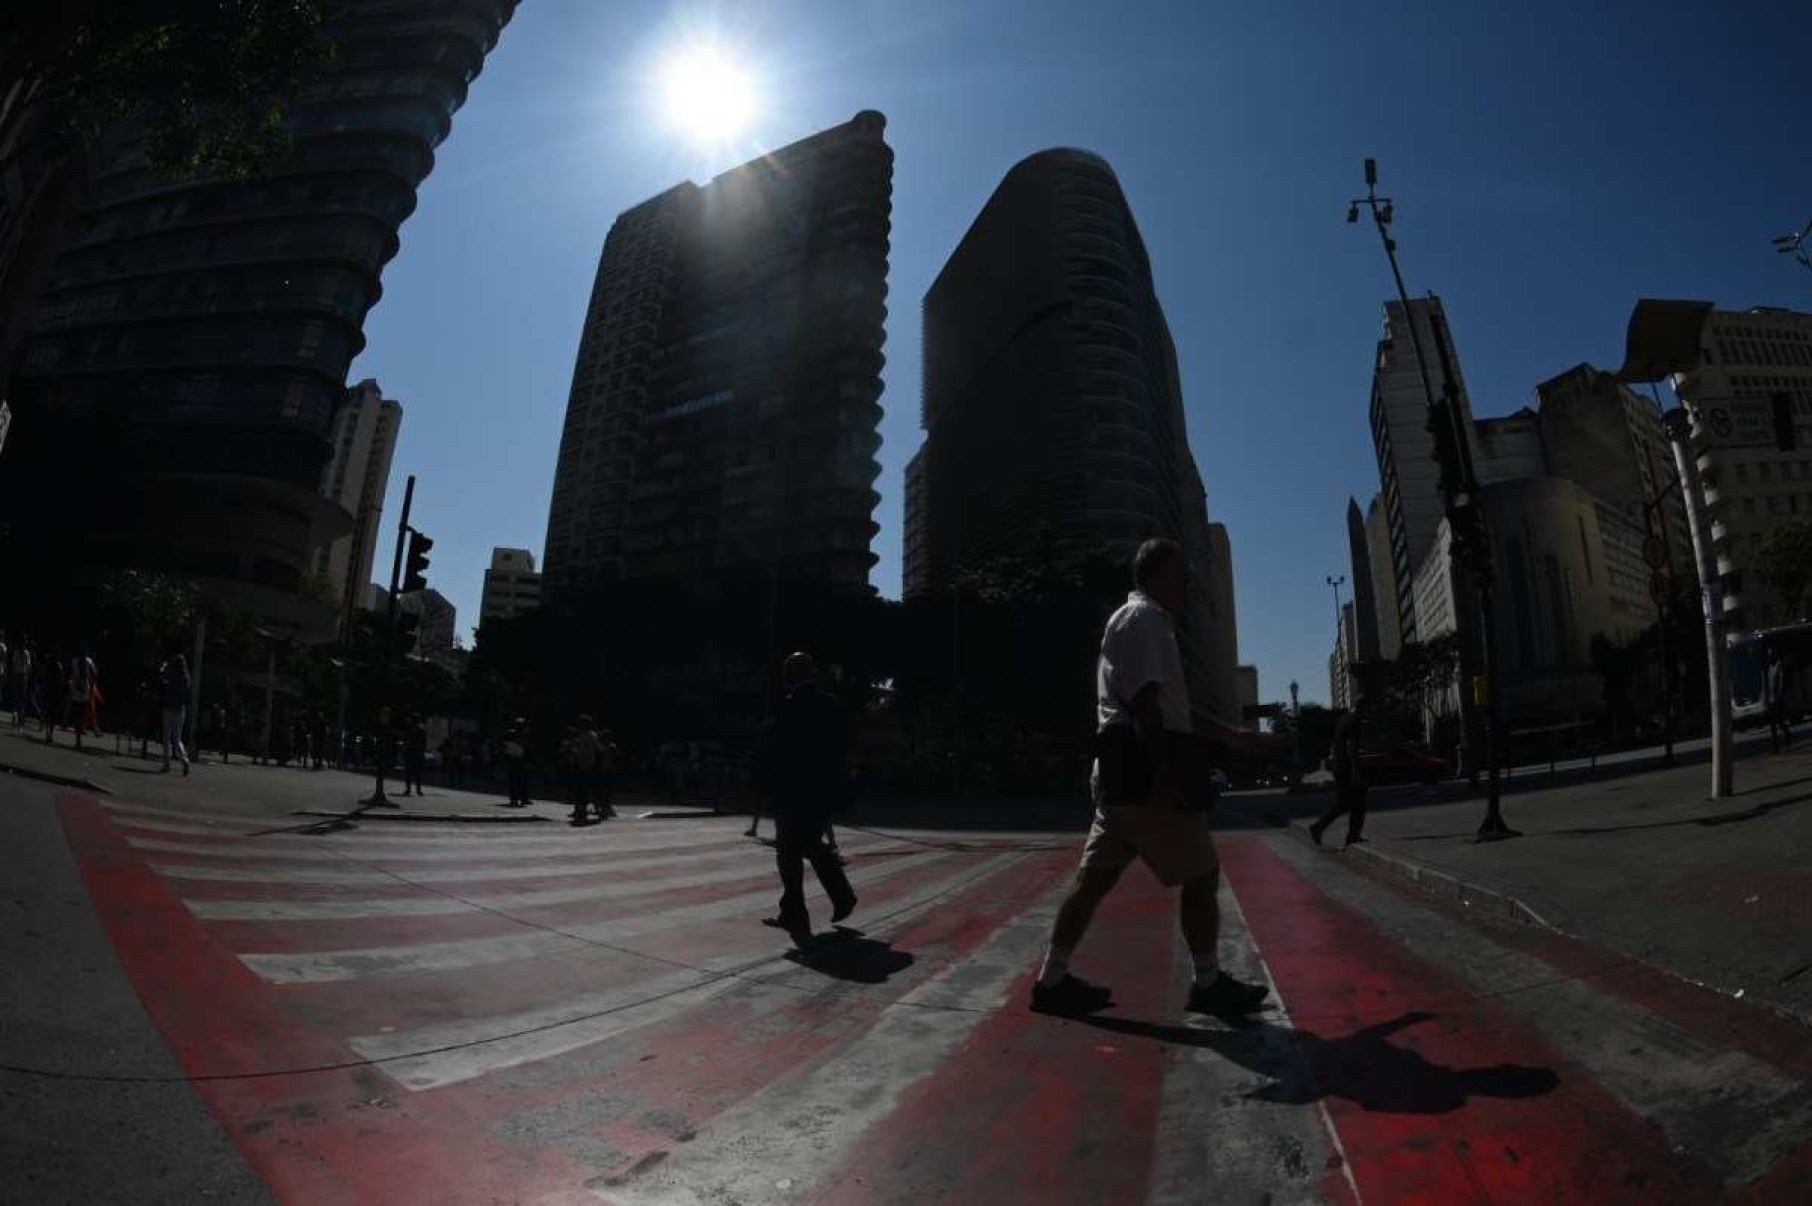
(1402, 764)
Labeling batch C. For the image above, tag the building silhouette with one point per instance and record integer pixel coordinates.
(355, 479)
(1751, 355)
(1365, 608)
(190, 350)
(1410, 478)
(1052, 407)
(511, 586)
(725, 401)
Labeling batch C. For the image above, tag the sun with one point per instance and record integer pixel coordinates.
(708, 95)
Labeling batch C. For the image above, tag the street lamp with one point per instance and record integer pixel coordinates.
(1295, 732)
(1796, 244)
(1470, 541)
(1336, 583)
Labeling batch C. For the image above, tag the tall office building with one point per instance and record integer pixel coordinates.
(1751, 355)
(1405, 450)
(511, 586)
(1365, 608)
(726, 399)
(191, 348)
(1248, 694)
(356, 477)
(1052, 406)
(1384, 579)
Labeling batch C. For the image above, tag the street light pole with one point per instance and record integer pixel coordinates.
(1678, 424)
(1466, 520)
(1339, 631)
(1295, 734)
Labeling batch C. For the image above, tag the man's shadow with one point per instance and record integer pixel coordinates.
(846, 954)
(1365, 1068)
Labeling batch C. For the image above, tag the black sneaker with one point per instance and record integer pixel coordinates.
(1227, 997)
(1071, 997)
(843, 908)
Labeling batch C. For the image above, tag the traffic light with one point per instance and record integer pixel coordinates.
(415, 563)
(408, 627)
(1785, 437)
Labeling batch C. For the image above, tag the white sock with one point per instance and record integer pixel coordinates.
(1207, 970)
(1056, 967)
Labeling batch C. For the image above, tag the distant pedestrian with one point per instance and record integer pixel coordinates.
(449, 759)
(1145, 791)
(176, 710)
(19, 676)
(78, 695)
(1349, 778)
(53, 691)
(604, 776)
(572, 760)
(217, 722)
(415, 755)
(807, 777)
(1780, 731)
(515, 758)
(317, 741)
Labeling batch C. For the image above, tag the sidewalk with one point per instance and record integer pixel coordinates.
(1717, 891)
(243, 788)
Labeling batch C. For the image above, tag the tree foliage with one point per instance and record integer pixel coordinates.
(1785, 565)
(207, 81)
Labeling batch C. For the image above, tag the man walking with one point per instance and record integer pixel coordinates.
(1138, 786)
(176, 710)
(515, 757)
(1780, 733)
(1349, 782)
(415, 755)
(807, 754)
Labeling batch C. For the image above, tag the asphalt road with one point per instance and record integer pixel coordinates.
(475, 1013)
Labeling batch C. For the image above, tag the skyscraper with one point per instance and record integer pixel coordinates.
(356, 477)
(1384, 579)
(725, 402)
(1052, 406)
(191, 349)
(511, 585)
(1751, 355)
(1411, 479)
(1365, 612)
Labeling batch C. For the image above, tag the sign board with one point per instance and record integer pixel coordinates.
(6, 420)
(1746, 423)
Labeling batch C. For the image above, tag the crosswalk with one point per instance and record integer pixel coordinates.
(541, 1014)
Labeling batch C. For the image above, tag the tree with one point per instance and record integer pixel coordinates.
(1785, 564)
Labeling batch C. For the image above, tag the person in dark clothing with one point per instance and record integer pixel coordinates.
(415, 756)
(515, 756)
(807, 753)
(1349, 782)
(176, 710)
(1780, 732)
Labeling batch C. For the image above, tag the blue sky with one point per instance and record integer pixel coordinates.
(1551, 163)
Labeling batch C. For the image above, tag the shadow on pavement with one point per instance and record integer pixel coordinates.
(1364, 1068)
(846, 954)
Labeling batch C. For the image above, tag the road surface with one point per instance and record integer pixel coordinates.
(542, 1014)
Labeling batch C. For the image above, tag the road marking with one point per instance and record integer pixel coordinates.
(471, 1047)
(780, 1143)
(1732, 1112)
(1213, 1128)
(317, 966)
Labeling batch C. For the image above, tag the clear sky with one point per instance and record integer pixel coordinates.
(1551, 163)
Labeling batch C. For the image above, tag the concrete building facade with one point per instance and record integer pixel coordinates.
(1508, 447)
(1248, 694)
(511, 586)
(1383, 578)
(439, 622)
(191, 347)
(725, 404)
(1749, 356)
(1410, 478)
(1365, 608)
(365, 431)
(1053, 409)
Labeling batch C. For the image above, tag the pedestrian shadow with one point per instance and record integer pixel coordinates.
(846, 954)
(1364, 1067)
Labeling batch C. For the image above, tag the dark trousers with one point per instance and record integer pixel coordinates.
(412, 776)
(797, 841)
(518, 781)
(1349, 798)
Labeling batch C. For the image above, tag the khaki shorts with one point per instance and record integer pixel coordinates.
(1174, 843)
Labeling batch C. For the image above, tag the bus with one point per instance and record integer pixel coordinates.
(1747, 656)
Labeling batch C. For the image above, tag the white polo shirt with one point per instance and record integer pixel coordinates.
(1139, 647)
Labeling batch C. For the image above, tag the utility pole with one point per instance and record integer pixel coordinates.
(1339, 639)
(1295, 733)
(387, 649)
(1654, 523)
(1469, 536)
(1678, 424)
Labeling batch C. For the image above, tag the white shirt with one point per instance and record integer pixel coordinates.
(1138, 648)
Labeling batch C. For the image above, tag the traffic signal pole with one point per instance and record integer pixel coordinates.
(387, 647)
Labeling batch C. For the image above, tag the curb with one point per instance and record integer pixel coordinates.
(443, 818)
(26, 772)
(1478, 897)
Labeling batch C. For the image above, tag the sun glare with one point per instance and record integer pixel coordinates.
(708, 96)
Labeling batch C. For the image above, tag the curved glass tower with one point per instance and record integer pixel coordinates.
(187, 358)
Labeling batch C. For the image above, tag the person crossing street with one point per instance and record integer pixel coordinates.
(807, 772)
(1144, 787)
